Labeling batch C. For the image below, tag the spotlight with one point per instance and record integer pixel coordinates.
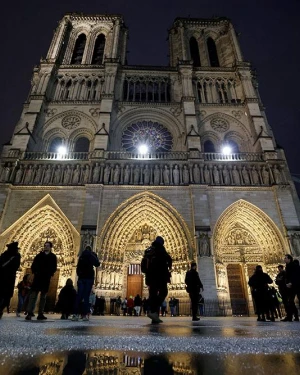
(143, 149)
(62, 150)
(226, 150)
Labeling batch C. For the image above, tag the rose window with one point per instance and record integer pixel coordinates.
(153, 135)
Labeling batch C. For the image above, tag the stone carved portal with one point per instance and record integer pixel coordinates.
(245, 235)
(45, 221)
(130, 230)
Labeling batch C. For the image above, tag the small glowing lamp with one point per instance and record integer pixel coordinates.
(143, 149)
(226, 150)
(62, 150)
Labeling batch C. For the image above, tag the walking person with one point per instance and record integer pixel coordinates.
(43, 267)
(9, 263)
(86, 275)
(259, 286)
(292, 277)
(194, 287)
(156, 264)
(24, 287)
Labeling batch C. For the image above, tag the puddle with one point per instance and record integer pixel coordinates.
(107, 362)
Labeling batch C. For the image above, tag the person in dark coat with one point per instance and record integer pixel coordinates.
(292, 278)
(66, 300)
(296, 261)
(157, 277)
(280, 281)
(193, 286)
(9, 264)
(259, 286)
(43, 267)
(86, 275)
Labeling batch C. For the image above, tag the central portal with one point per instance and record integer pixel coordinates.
(134, 281)
(237, 293)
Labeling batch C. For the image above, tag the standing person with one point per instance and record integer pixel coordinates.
(193, 286)
(86, 275)
(130, 305)
(9, 264)
(137, 304)
(163, 308)
(43, 267)
(291, 271)
(296, 261)
(280, 281)
(92, 302)
(23, 292)
(124, 306)
(259, 285)
(157, 265)
(118, 305)
(66, 300)
(172, 306)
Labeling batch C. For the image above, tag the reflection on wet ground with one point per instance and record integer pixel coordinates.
(135, 363)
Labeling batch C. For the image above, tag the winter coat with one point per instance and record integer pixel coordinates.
(161, 264)
(86, 263)
(193, 282)
(66, 300)
(43, 267)
(9, 264)
(137, 301)
(292, 274)
(281, 282)
(259, 282)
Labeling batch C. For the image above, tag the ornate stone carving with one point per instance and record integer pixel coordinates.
(94, 112)
(70, 122)
(220, 125)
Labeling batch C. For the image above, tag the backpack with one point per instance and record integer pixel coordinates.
(147, 259)
(83, 265)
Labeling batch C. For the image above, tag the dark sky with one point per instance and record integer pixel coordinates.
(269, 38)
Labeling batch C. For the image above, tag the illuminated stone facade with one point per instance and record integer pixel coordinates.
(219, 209)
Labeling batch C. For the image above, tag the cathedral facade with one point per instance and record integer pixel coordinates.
(112, 155)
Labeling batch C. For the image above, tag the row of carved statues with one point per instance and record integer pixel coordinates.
(141, 174)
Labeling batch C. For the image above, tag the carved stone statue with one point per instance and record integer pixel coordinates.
(96, 173)
(295, 240)
(57, 175)
(166, 175)
(277, 175)
(236, 176)
(76, 175)
(226, 177)
(220, 276)
(216, 175)
(245, 176)
(255, 178)
(67, 175)
(206, 175)
(47, 176)
(204, 248)
(87, 239)
(156, 174)
(265, 176)
(126, 175)
(116, 175)
(106, 174)
(186, 175)
(6, 173)
(19, 175)
(38, 175)
(196, 174)
(28, 175)
(176, 175)
(86, 174)
(146, 173)
(136, 175)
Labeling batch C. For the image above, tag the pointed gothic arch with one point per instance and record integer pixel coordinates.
(244, 233)
(146, 208)
(45, 221)
(194, 51)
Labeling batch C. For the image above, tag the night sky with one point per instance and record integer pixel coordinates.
(269, 38)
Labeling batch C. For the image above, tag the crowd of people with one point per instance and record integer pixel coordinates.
(156, 264)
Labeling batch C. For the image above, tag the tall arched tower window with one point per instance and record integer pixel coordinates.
(82, 145)
(54, 145)
(194, 49)
(212, 53)
(78, 50)
(99, 50)
(209, 146)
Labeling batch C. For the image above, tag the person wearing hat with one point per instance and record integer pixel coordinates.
(157, 277)
(193, 286)
(9, 264)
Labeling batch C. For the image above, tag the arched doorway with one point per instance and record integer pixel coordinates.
(244, 236)
(129, 231)
(45, 222)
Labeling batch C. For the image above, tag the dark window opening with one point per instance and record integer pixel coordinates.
(195, 55)
(234, 147)
(78, 49)
(54, 145)
(209, 146)
(212, 53)
(99, 50)
(82, 145)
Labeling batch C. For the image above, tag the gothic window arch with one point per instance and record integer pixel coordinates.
(209, 146)
(233, 145)
(54, 144)
(82, 144)
(98, 53)
(212, 53)
(78, 49)
(194, 50)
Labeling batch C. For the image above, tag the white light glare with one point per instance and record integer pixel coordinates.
(143, 149)
(226, 150)
(62, 150)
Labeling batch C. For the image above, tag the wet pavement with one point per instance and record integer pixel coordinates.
(131, 345)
